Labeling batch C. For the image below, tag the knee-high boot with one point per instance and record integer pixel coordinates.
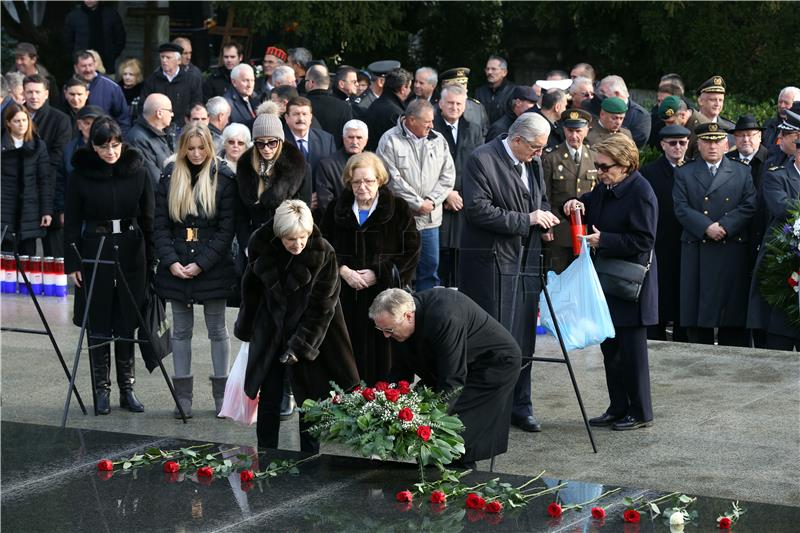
(101, 367)
(126, 376)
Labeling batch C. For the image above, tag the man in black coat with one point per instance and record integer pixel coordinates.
(496, 94)
(183, 88)
(715, 201)
(313, 143)
(331, 111)
(523, 98)
(382, 115)
(450, 342)
(787, 97)
(506, 213)
(55, 129)
(151, 136)
(462, 138)
(659, 173)
(219, 80)
(95, 25)
(241, 96)
(328, 174)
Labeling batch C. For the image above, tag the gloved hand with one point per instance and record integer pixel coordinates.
(288, 358)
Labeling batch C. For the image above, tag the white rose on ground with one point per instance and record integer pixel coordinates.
(676, 519)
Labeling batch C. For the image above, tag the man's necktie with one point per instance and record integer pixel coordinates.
(303, 149)
(713, 170)
(577, 157)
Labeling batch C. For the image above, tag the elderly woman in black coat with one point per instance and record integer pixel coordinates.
(291, 315)
(194, 229)
(377, 247)
(110, 195)
(622, 215)
(27, 182)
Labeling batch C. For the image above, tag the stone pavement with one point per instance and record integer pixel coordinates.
(727, 420)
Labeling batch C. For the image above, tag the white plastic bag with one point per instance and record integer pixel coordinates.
(579, 304)
(236, 405)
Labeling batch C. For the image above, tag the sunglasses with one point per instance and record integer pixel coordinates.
(677, 143)
(271, 144)
(604, 168)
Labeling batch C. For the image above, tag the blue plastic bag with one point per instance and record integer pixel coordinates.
(579, 304)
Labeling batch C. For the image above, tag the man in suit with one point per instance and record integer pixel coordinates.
(496, 94)
(313, 143)
(331, 112)
(612, 115)
(241, 95)
(522, 99)
(568, 172)
(660, 174)
(389, 107)
(788, 133)
(425, 81)
(506, 217)
(328, 174)
(462, 138)
(474, 111)
(715, 201)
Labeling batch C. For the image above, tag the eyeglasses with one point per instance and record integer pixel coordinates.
(676, 143)
(271, 144)
(234, 142)
(604, 168)
(587, 95)
(108, 147)
(170, 111)
(390, 331)
(359, 183)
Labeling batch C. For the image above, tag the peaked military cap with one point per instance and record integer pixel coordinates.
(714, 84)
(575, 118)
(523, 92)
(460, 74)
(673, 131)
(614, 105)
(710, 131)
(381, 68)
(669, 107)
(792, 120)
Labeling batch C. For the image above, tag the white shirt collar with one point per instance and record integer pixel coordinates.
(572, 151)
(170, 78)
(509, 152)
(296, 138)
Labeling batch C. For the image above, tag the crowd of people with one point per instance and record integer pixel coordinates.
(310, 197)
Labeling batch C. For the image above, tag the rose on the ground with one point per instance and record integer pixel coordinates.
(105, 465)
(631, 516)
(438, 496)
(724, 522)
(598, 513)
(494, 507)
(676, 519)
(554, 510)
(171, 467)
(205, 471)
(475, 501)
(246, 475)
(404, 496)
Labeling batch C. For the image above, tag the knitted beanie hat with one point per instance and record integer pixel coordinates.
(267, 125)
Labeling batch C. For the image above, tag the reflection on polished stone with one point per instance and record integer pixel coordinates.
(50, 482)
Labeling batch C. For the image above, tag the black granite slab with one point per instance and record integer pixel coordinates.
(50, 483)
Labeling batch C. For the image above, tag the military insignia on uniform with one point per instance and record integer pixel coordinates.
(776, 167)
(548, 150)
(717, 80)
(560, 168)
(566, 155)
(574, 115)
(669, 112)
(713, 127)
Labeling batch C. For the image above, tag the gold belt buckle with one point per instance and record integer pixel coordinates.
(191, 234)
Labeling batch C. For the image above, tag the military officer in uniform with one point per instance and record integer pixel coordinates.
(788, 133)
(612, 113)
(715, 201)
(475, 112)
(568, 173)
(711, 100)
(377, 71)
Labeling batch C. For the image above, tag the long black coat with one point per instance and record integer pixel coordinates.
(457, 344)
(781, 187)
(55, 129)
(626, 217)
(292, 302)
(211, 251)
(82, 22)
(332, 113)
(99, 192)
(469, 138)
(762, 217)
(382, 116)
(328, 182)
(27, 176)
(660, 175)
(185, 90)
(715, 275)
(496, 234)
(496, 101)
(388, 238)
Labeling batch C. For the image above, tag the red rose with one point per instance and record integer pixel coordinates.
(357, 389)
(336, 399)
(368, 394)
(632, 516)
(205, 471)
(406, 414)
(438, 496)
(404, 496)
(171, 467)
(381, 386)
(598, 512)
(105, 465)
(475, 501)
(403, 386)
(724, 522)
(554, 510)
(392, 395)
(424, 432)
(246, 475)
(494, 507)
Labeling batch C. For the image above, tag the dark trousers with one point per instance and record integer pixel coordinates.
(26, 247)
(759, 338)
(659, 333)
(781, 342)
(523, 404)
(269, 412)
(448, 267)
(725, 336)
(628, 373)
(53, 242)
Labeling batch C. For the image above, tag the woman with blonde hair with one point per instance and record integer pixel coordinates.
(292, 318)
(130, 78)
(195, 217)
(377, 246)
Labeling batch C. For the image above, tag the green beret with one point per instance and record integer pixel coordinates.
(614, 105)
(668, 107)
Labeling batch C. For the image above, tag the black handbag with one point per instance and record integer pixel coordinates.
(621, 279)
(156, 321)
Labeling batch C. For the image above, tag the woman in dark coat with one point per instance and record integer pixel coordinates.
(291, 316)
(27, 182)
(267, 174)
(781, 188)
(110, 195)
(376, 250)
(621, 217)
(193, 232)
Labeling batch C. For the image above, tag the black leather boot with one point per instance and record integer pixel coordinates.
(101, 367)
(126, 376)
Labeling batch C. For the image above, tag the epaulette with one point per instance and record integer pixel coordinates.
(775, 167)
(474, 100)
(740, 162)
(550, 149)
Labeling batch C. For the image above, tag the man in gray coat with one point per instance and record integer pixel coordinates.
(422, 173)
(506, 217)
